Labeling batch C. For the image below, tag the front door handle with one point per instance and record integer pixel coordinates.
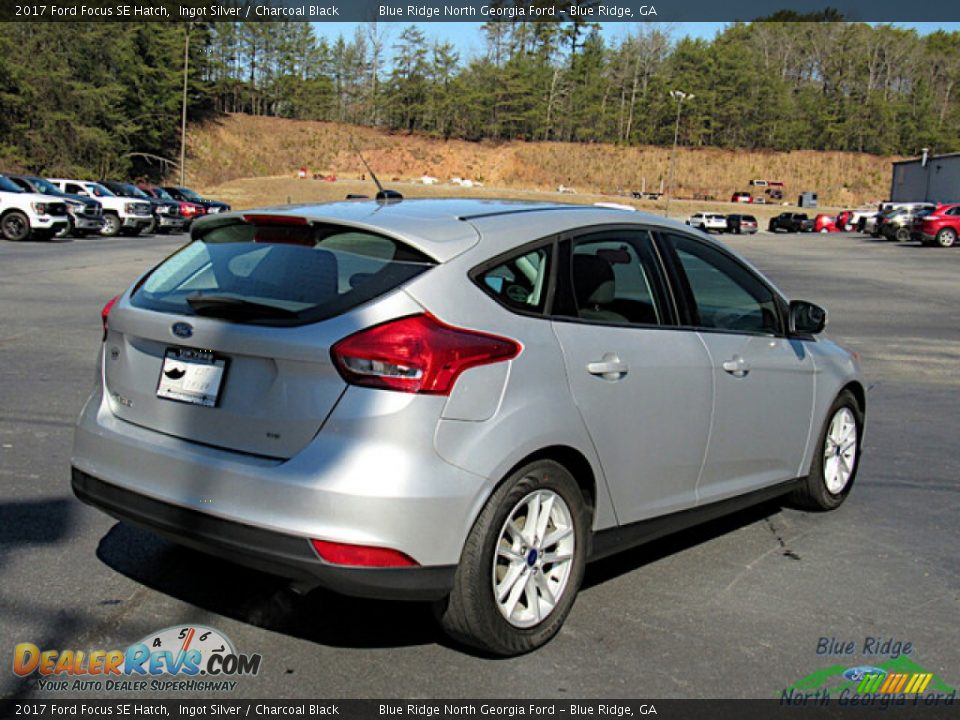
(609, 367)
(736, 366)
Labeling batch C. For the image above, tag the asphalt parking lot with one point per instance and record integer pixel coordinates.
(729, 610)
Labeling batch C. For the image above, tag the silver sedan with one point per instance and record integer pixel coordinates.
(458, 401)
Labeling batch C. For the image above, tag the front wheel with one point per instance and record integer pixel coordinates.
(947, 237)
(838, 457)
(15, 226)
(903, 234)
(111, 225)
(65, 231)
(522, 563)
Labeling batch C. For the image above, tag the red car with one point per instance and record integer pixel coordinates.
(191, 211)
(845, 220)
(942, 226)
(825, 223)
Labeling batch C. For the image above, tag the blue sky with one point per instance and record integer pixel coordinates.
(468, 40)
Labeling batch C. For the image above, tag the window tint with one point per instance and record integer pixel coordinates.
(520, 283)
(278, 274)
(613, 277)
(954, 211)
(726, 294)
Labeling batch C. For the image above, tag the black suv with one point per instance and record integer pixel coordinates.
(187, 195)
(166, 213)
(791, 222)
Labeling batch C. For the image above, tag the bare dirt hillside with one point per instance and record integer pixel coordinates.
(243, 146)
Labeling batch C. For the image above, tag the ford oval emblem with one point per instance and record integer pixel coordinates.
(182, 329)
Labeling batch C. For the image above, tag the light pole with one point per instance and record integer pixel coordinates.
(183, 112)
(679, 96)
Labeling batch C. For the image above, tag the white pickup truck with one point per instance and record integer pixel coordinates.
(119, 214)
(26, 214)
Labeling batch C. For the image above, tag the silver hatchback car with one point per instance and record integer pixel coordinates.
(457, 400)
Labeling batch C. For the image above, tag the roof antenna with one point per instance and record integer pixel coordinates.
(382, 194)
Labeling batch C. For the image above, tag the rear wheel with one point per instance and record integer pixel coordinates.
(522, 563)
(15, 226)
(903, 234)
(947, 237)
(838, 457)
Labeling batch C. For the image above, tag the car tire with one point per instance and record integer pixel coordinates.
(65, 232)
(151, 228)
(837, 459)
(111, 225)
(500, 560)
(947, 237)
(15, 226)
(903, 234)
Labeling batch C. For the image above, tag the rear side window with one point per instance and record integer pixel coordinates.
(279, 274)
(520, 283)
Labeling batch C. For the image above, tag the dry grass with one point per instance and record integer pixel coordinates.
(242, 146)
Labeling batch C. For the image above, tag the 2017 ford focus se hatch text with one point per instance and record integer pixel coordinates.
(459, 401)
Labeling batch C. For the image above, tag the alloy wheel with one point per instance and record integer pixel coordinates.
(840, 451)
(533, 558)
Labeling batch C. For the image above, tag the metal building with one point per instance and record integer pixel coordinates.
(930, 178)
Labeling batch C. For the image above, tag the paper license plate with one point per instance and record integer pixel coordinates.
(191, 376)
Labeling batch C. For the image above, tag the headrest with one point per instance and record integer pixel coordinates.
(593, 281)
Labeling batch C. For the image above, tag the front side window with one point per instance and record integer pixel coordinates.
(278, 274)
(520, 283)
(725, 294)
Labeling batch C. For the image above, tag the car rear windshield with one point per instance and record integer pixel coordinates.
(278, 274)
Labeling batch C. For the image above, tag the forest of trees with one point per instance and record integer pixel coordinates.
(105, 98)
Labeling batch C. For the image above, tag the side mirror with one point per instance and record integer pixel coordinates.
(806, 318)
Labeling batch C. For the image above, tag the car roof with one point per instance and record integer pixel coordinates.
(446, 227)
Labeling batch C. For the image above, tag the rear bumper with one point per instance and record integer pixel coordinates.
(359, 481)
(287, 556)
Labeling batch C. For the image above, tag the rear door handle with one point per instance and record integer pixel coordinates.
(736, 366)
(610, 367)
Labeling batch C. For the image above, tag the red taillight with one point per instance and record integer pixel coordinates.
(188, 210)
(361, 555)
(106, 312)
(417, 354)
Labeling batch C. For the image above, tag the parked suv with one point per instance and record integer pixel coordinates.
(708, 222)
(166, 213)
(85, 214)
(407, 400)
(119, 214)
(28, 214)
(740, 224)
(791, 223)
(942, 226)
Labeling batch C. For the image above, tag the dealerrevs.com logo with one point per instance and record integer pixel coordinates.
(178, 659)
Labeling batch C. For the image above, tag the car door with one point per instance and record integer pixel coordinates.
(763, 381)
(643, 387)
